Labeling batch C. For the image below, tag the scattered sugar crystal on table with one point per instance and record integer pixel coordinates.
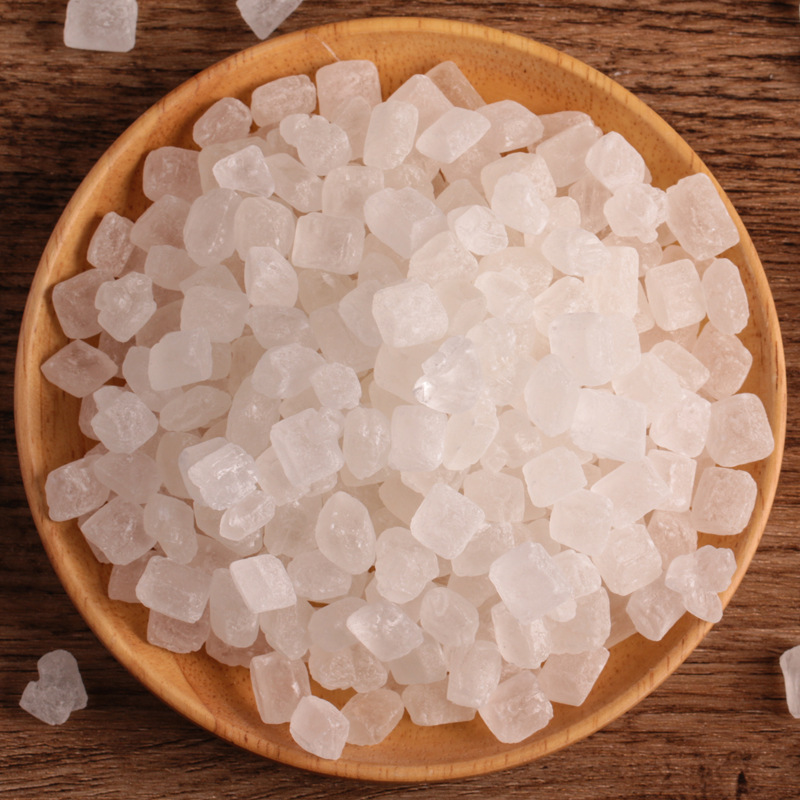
(108, 25)
(59, 690)
(421, 398)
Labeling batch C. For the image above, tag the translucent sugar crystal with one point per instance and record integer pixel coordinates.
(615, 162)
(446, 520)
(345, 534)
(73, 490)
(697, 216)
(366, 441)
(285, 371)
(517, 203)
(726, 358)
(372, 716)
(675, 294)
(424, 664)
(117, 530)
(512, 126)
(654, 609)
(279, 683)
(442, 258)
(452, 82)
(231, 620)
(567, 678)
(525, 645)
(588, 628)
(347, 187)
(246, 171)
(270, 280)
(223, 121)
(170, 522)
(629, 560)
(125, 423)
(615, 289)
(176, 635)
(73, 302)
(609, 425)
(295, 183)
(125, 305)
(692, 374)
(450, 618)
(635, 488)
(452, 134)
(105, 25)
(699, 577)
(318, 579)
(404, 219)
(529, 582)
(452, 377)
(261, 222)
(327, 625)
(683, 426)
(336, 385)
(567, 295)
(341, 81)
(209, 229)
(111, 247)
(652, 383)
(219, 311)
(552, 475)
(276, 325)
(426, 96)
(334, 244)
(319, 727)
(180, 358)
(58, 691)
(726, 297)
(790, 667)
(321, 146)
(739, 431)
(161, 223)
(723, 501)
(417, 435)
(594, 348)
(223, 476)
(385, 630)
(403, 566)
(427, 704)
(475, 676)
(408, 314)
(636, 210)
(247, 516)
(575, 251)
(531, 165)
(678, 472)
(79, 369)
(565, 151)
(133, 476)
(484, 547)
(551, 396)
(517, 708)
(265, 16)
(286, 629)
(391, 134)
(171, 170)
(307, 447)
(672, 533)
(168, 266)
(582, 520)
(478, 229)
(176, 590)
(263, 583)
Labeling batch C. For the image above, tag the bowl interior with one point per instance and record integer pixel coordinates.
(501, 65)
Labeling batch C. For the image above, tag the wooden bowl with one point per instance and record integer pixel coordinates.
(501, 65)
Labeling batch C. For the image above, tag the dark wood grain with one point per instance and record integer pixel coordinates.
(727, 77)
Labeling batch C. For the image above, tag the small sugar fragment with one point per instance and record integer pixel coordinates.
(59, 690)
(264, 16)
(105, 25)
(790, 667)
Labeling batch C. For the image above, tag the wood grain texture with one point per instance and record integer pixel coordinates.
(727, 77)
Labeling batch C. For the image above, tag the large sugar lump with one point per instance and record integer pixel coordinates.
(170, 522)
(682, 426)
(73, 490)
(263, 582)
(408, 314)
(567, 678)
(582, 520)
(391, 134)
(678, 472)
(697, 215)
(79, 369)
(73, 302)
(366, 441)
(699, 577)
(726, 358)
(285, 371)
(340, 81)
(176, 590)
(675, 294)
(422, 665)
(124, 423)
(629, 560)
(452, 134)
(551, 396)
(105, 25)
(172, 170)
(654, 609)
(161, 223)
(739, 431)
(133, 476)
(452, 378)
(403, 566)
(223, 475)
(385, 630)
(279, 683)
(345, 534)
(450, 618)
(615, 162)
(635, 488)
(418, 438)
(58, 691)
(271, 102)
(475, 676)
(552, 475)
(372, 716)
(180, 358)
(790, 667)
(323, 241)
(723, 501)
(501, 496)
(427, 705)
(117, 530)
(609, 425)
(517, 708)
(726, 298)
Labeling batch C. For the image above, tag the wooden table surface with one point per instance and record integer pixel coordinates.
(726, 75)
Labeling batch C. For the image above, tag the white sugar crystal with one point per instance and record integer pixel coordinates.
(341, 81)
(427, 704)
(739, 431)
(683, 426)
(336, 385)
(726, 297)
(525, 645)
(424, 664)
(79, 369)
(654, 609)
(73, 302)
(615, 162)
(726, 358)
(125, 305)
(168, 266)
(553, 475)
(269, 278)
(271, 102)
(589, 627)
(337, 341)
(575, 251)
(452, 82)
(345, 534)
(591, 197)
(429, 99)
(307, 447)
(594, 348)
(279, 683)
(452, 134)
(161, 223)
(635, 488)
(567, 295)
(385, 630)
(651, 383)
(231, 620)
(261, 222)
(334, 244)
(209, 229)
(672, 533)
(327, 625)
(111, 246)
(629, 560)
(481, 551)
(408, 314)
(277, 325)
(125, 424)
(247, 516)
(58, 691)
(582, 520)
(171, 170)
(170, 522)
(615, 289)
(610, 426)
(517, 203)
(372, 716)
(391, 134)
(346, 188)
(295, 183)
(512, 126)
(636, 210)
(246, 171)
(403, 566)
(678, 472)
(697, 216)
(404, 219)
(73, 490)
(478, 229)
(417, 436)
(366, 441)
(501, 496)
(353, 118)
(442, 258)
(321, 145)
(475, 676)
(452, 377)
(529, 582)
(263, 583)
(551, 396)
(567, 678)
(533, 166)
(223, 476)
(225, 120)
(517, 708)
(723, 501)
(285, 370)
(133, 476)
(565, 151)
(790, 664)
(286, 629)
(180, 358)
(675, 294)
(176, 635)
(318, 579)
(699, 577)
(175, 590)
(219, 311)
(105, 25)
(692, 374)
(450, 618)
(446, 520)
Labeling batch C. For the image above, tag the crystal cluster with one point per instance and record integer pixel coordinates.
(422, 397)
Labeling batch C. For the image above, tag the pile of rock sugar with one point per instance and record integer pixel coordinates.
(425, 398)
